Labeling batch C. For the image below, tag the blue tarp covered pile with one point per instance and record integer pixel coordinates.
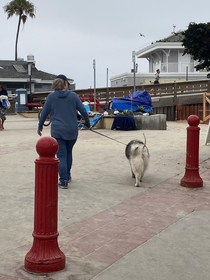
(139, 98)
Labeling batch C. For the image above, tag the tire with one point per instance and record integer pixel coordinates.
(47, 121)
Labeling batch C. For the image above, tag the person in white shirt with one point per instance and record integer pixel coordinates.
(157, 76)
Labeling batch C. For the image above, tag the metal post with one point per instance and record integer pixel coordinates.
(45, 255)
(134, 76)
(192, 178)
(107, 88)
(30, 84)
(29, 73)
(174, 117)
(134, 69)
(107, 74)
(94, 68)
(186, 73)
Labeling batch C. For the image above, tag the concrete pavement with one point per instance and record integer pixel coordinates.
(108, 229)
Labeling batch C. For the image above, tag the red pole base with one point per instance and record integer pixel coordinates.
(45, 256)
(44, 268)
(192, 179)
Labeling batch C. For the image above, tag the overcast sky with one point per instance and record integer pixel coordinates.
(65, 36)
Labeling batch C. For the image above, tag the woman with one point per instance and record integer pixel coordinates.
(3, 96)
(63, 105)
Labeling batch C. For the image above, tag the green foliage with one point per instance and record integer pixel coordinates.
(20, 8)
(197, 43)
(128, 112)
(141, 108)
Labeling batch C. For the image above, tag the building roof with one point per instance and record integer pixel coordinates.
(173, 41)
(19, 70)
(174, 37)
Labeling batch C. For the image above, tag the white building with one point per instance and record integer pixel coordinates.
(166, 55)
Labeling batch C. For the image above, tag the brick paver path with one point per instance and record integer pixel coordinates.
(108, 236)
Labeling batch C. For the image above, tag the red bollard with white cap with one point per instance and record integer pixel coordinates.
(45, 255)
(192, 178)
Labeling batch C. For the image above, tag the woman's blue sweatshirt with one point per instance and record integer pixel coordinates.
(63, 105)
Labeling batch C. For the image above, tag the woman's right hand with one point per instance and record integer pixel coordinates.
(39, 132)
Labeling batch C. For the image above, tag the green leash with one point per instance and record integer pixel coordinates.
(106, 136)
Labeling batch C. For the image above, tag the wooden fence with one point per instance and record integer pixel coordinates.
(206, 109)
(177, 100)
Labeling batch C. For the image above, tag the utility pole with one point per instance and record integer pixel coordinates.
(134, 69)
(94, 68)
(186, 73)
(107, 86)
(29, 73)
(31, 61)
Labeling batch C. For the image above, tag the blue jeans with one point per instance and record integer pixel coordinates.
(65, 156)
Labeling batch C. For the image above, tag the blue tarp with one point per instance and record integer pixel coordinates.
(139, 98)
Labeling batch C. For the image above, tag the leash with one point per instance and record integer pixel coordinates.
(106, 136)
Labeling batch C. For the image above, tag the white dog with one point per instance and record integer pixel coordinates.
(137, 153)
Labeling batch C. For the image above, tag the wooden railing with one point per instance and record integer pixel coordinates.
(168, 98)
(205, 110)
(166, 89)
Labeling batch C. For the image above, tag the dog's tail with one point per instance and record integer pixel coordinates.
(144, 139)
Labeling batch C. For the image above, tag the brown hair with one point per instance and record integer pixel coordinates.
(58, 84)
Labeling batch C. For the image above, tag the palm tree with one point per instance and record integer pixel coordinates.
(22, 9)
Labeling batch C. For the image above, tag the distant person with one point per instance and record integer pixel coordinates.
(157, 76)
(63, 105)
(3, 96)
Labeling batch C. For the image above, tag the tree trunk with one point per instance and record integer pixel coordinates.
(16, 42)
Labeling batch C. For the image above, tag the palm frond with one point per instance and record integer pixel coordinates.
(19, 7)
(23, 19)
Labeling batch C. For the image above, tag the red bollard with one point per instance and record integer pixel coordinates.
(192, 178)
(45, 255)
